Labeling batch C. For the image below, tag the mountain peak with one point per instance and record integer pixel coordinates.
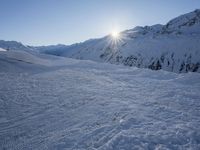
(172, 47)
(185, 20)
(14, 45)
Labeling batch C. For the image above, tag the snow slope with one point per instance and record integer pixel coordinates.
(173, 47)
(79, 104)
(13, 45)
(1, 49)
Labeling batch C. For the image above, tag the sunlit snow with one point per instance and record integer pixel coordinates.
(74, 104)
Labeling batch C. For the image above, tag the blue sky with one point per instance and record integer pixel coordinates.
(44, 22)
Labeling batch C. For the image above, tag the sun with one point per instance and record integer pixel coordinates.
(115, 34)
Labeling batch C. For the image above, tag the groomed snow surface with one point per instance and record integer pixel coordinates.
(83, 105)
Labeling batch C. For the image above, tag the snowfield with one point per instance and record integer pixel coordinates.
(61, 103)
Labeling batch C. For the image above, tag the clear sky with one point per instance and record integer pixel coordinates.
(44, 22)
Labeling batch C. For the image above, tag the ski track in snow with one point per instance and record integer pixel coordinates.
(86, 105)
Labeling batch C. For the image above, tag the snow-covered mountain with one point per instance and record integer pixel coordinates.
(13, 45)
(172, 47)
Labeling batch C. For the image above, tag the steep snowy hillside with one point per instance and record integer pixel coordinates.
(172, 47)
(78, 104)
(13, 45)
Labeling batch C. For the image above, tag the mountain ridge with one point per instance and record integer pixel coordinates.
(174, 46)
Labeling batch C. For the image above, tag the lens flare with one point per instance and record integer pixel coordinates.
(115, 34)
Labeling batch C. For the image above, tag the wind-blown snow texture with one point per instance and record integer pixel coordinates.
(60, 103)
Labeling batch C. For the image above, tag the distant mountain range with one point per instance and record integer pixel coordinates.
(172, 47)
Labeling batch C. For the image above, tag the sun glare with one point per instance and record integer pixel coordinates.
(115, 34)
